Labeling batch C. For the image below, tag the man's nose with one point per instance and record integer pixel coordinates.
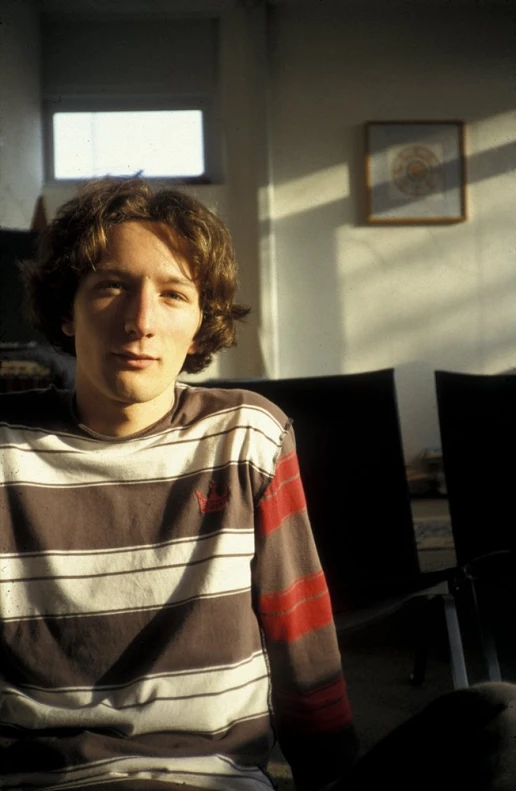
(140, 313)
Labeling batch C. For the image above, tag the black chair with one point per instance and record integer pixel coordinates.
(351, 459)
(15, 246)
(477, 416)
(26, 359)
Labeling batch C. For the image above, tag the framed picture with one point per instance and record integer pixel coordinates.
(415, 172)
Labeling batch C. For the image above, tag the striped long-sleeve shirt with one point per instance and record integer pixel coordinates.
(162, 606)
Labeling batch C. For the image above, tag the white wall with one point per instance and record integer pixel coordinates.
(21, 155)
(355, 297)
(244, 105)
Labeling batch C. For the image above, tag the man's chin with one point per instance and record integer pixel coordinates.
(141, 392)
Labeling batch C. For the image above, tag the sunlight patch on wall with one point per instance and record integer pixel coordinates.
(311, 191)
(492, 133)
(409, 294)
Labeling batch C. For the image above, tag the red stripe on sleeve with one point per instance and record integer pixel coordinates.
(309, 586)
(284, 497)
(322, 710)
(287, 467)
(303, 608)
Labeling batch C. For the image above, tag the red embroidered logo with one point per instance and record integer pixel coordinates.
(214, 501)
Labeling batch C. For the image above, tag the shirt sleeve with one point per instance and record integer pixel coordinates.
(312, 715)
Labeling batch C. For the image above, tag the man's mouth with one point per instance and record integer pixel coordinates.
(130, 360)
(132, 356)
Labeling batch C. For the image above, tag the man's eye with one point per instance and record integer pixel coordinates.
(173, 295)
(110, 285)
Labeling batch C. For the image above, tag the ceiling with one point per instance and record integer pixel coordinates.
(163, 9)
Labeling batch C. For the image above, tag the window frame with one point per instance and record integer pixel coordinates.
(85, 104)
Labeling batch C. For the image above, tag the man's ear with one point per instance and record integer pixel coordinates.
(68, 327)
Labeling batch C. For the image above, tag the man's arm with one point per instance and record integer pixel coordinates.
(311, 709)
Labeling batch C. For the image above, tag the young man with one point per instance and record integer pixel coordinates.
(163, 609)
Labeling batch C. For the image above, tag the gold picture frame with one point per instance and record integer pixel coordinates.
(415, 172)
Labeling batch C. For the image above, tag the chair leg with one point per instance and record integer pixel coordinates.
(489, 651)
(458, 662)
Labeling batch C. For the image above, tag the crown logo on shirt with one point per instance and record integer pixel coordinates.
(214, 502)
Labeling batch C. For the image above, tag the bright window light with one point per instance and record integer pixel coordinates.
(157, 143)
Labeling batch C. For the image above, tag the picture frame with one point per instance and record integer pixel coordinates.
(415, 172)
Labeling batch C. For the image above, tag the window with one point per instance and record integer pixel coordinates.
(154, 143)
(130, 94)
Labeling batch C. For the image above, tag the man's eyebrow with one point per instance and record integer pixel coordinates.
(105, 270)
(179, 281)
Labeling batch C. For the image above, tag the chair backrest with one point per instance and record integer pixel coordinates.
(350, 454)
(477, 416)
(14, 246)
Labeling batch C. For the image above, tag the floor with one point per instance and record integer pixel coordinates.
(432, 527)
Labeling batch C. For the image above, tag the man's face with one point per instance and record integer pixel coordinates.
(134, 321)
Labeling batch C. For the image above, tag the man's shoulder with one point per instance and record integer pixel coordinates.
(211, 399)
(38, 409)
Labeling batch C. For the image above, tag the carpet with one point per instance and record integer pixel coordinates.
(432, 523)
(433, 533)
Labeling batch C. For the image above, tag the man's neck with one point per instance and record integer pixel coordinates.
(121, 420)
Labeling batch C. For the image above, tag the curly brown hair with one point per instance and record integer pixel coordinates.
(77, 239)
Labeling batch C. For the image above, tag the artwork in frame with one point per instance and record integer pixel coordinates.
(415, 172)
